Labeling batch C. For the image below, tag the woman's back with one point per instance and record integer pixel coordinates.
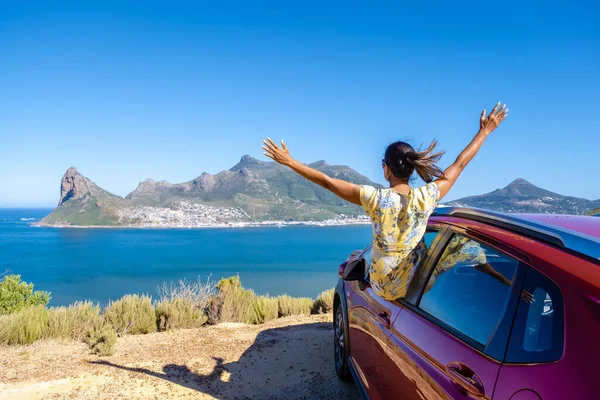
(399, 223)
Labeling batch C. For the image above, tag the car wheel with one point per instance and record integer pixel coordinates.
(340, 346)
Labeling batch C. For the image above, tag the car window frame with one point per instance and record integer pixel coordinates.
(497, 345)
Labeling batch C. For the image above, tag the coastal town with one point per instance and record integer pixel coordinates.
(194, 215)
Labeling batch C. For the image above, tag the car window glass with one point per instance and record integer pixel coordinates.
(469, 288)
(537, 334)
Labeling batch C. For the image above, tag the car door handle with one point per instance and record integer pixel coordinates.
(466, 378)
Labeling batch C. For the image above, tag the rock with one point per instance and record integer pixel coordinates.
(205, 182)
(72, 186)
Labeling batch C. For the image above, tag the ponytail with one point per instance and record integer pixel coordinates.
(403, 160)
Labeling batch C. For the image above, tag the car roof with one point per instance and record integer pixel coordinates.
(578, 223)
(577, 234)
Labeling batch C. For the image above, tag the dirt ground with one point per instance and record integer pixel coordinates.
(289, 358)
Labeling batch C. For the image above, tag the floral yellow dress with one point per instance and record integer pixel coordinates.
(399, 224)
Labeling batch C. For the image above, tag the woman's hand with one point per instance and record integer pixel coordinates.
(279, 154)
(491, 122)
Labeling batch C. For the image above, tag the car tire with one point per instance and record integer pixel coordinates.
(340, 346)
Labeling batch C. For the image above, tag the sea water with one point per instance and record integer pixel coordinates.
(101, 264)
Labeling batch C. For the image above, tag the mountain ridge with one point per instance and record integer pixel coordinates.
(254, 190)
(522, 196)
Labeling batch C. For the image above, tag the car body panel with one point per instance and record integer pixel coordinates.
(406, 355)
(369, 319)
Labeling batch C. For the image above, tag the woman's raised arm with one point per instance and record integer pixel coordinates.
(346, 190)
(487, 124)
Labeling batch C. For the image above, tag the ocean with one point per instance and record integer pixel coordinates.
(100, 264)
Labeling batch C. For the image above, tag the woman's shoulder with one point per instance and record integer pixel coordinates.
(428, 194)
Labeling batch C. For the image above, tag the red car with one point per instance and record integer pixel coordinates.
(505, 306)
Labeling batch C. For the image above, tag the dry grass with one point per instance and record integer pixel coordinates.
(132, 314)
(289, 305)
(231, 303)
(178, 313)
(183, 305)
(323, 303)
(73, 322)
(24, 326)
(264, 308)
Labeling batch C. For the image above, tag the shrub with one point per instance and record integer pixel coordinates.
(132, 314)
(101, 340)
(24, 326)
(183, 305)
(178, 313)
(73, 322)
(264, 308)
(289, 305)
(231, 303)
(323, 303)
(16, 295)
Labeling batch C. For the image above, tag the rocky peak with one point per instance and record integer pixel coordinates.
(205, 182)
(72, 186)
(318, 164)
(519, 181)
(248, 162)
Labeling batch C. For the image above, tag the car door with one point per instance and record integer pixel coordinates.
(369, 319)
(447, 342)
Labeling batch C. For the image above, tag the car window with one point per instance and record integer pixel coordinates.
(469, 288)
(538, 330)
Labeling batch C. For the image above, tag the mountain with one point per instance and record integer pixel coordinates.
(524, 197)
(252, 190)
(595, 212)
(82, 202)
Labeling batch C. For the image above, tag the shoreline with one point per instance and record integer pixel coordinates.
(322, 224)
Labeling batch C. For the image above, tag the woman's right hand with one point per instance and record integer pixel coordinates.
(488, 123)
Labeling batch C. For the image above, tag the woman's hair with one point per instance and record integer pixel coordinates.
(403, 160)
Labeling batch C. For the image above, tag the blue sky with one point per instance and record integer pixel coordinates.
(125, 91)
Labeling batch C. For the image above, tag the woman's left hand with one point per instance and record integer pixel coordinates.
(279, 154)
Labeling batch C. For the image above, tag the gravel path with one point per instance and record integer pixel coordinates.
(289, 358)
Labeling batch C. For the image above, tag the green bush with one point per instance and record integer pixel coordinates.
(24, 326)
(16, 295)
(323, 303)
(231, 303)
(178, 313)
(264, 308)
(132, 314)
(101, 340)
(289, 305)
(73, 322)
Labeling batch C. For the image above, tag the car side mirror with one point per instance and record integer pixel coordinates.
(355, 270)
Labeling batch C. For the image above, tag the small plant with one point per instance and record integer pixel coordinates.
(264, 308)
(24, 326)
(73, 322)
(183, 305)
(16, 295)
(231, 303)
(289, 305)
(323, 303)
(101, 340)
(178, 313)
(132, 314)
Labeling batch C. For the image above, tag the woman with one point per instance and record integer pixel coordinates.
(399, 213)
